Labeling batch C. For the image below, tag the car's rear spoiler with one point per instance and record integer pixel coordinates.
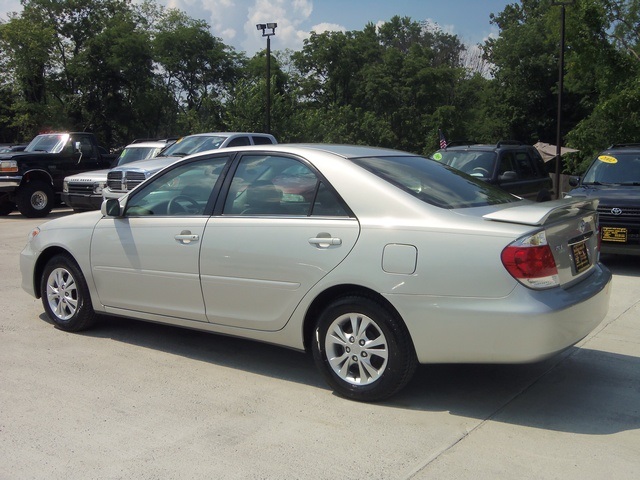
(541, 212)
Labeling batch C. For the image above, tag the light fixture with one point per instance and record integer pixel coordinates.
(562, 4)
(265, 27)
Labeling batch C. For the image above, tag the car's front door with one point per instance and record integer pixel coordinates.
(147, 259)
(281, 230)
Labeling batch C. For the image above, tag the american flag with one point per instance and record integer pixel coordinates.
(443, 141)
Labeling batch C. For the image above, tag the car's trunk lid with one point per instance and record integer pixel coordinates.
(571, 230)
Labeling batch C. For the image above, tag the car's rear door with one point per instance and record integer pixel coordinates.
(280, 230)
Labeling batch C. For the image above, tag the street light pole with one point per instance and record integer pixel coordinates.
(265, 33)
(560, 89)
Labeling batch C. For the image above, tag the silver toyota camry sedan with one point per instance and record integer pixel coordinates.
(374, 260)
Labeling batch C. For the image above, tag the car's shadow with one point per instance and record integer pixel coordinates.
(627, 265)
(578, 391)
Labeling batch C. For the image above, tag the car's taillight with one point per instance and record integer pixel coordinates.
(530, 261)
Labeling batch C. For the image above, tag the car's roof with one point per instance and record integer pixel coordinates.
(147, 145)
(623, 148)
(486, 147)
(345, 151)
(226, 134)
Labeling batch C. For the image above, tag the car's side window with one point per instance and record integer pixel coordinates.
(506, 163)
(261, 140)
(271, 185)
(274, 185)
(239, 142)
(327, 203)
(525, 167)
(183, 190)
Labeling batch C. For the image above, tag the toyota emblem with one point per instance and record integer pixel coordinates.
(616, 211)
(583, 226)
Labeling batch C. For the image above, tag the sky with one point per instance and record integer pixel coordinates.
(234, 21)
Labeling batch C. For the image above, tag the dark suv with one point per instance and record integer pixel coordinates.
(512, 166)
(614, 178)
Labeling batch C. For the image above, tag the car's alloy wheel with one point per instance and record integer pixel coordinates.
(363, 350)
(65, 295)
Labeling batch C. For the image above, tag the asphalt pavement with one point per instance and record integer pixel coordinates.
(134, 400)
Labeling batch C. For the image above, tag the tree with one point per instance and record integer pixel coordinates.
(195, 66)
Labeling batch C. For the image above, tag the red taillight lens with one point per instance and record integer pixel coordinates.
(530, 261)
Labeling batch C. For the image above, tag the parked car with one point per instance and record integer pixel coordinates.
(32, 179)
(120, 180)
(614, 179)
(394, 260)
(12, 148)
(84, 190)
(512, 166)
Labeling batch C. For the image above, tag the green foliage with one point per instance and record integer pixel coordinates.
(127, 69)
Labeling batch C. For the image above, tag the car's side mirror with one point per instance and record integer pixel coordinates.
(111, 208)
(508, 176)
(574, 181)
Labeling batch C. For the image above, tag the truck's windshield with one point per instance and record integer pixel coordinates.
(49, 143)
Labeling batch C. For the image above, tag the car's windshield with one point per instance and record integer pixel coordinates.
(193, 144)
(50, 143)
(614, 168)
(478, 163)
(435, 183)
(132, 154)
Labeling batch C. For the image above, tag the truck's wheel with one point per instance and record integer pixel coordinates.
(6, 207)
(35, 199)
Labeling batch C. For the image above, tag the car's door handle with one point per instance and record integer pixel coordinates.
(325, 241)
(186, 237)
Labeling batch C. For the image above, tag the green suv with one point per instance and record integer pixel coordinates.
(512, 166)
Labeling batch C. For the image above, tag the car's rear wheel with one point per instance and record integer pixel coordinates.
(65, 295)
(363, 349)
(35, 199)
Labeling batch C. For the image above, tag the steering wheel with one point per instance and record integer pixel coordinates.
(482, 171)
(175, 207)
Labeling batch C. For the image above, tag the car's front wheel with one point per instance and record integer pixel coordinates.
(6, 207)
(65, 295)
(35, 199)
(363, 349)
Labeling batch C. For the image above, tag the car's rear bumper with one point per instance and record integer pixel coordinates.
(525, 326)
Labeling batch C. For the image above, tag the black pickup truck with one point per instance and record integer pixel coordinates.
(32, 179)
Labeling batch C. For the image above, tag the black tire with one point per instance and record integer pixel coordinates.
(366, 364)
(6, 207)
(35, 199)
(65, 295)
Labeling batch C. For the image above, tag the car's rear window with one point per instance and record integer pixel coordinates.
(435, 183)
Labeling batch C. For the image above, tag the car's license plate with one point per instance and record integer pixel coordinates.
(614, 234)
(580, 256)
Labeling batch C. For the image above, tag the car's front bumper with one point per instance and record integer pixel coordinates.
(9, 184)
(525, 326)
(82, 202)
